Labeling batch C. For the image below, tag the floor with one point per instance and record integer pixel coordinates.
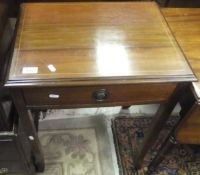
(83, 139)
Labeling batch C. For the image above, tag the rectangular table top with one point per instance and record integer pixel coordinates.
(185, 24)
(95, 43)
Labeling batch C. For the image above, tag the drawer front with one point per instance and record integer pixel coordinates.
(98, 95)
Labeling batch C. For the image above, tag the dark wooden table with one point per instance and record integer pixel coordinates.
(95, 54)
(185, 25)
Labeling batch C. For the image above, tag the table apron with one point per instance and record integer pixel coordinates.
(96, 96)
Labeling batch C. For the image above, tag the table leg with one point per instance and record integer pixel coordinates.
(187, 102)
(158, 123)
(30, 129)
(165, 149)
(36, 116)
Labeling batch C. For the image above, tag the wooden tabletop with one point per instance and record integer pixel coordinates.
(185, 24)
(95, 43)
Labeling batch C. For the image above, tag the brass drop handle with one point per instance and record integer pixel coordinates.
(101, 95)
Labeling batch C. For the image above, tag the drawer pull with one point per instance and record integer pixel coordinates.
(3, 170)
(100, 95)
(55, 96)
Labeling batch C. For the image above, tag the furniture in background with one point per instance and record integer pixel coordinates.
(182, 3)
(6, 110)
(162, 3)
(95, 54)
(6, 34)
(178, 3)
(7, 10)
(15, 150)
(184, 23)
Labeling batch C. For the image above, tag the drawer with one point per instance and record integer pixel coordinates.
(98, 95)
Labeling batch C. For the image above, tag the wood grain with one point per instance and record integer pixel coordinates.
(185, 24)
(189, 132)
(94, 42)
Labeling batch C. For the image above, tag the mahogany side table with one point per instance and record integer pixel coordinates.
(95, 54)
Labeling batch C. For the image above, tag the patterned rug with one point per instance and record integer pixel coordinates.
(129, 133)
(71, 150)
(76, 146)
